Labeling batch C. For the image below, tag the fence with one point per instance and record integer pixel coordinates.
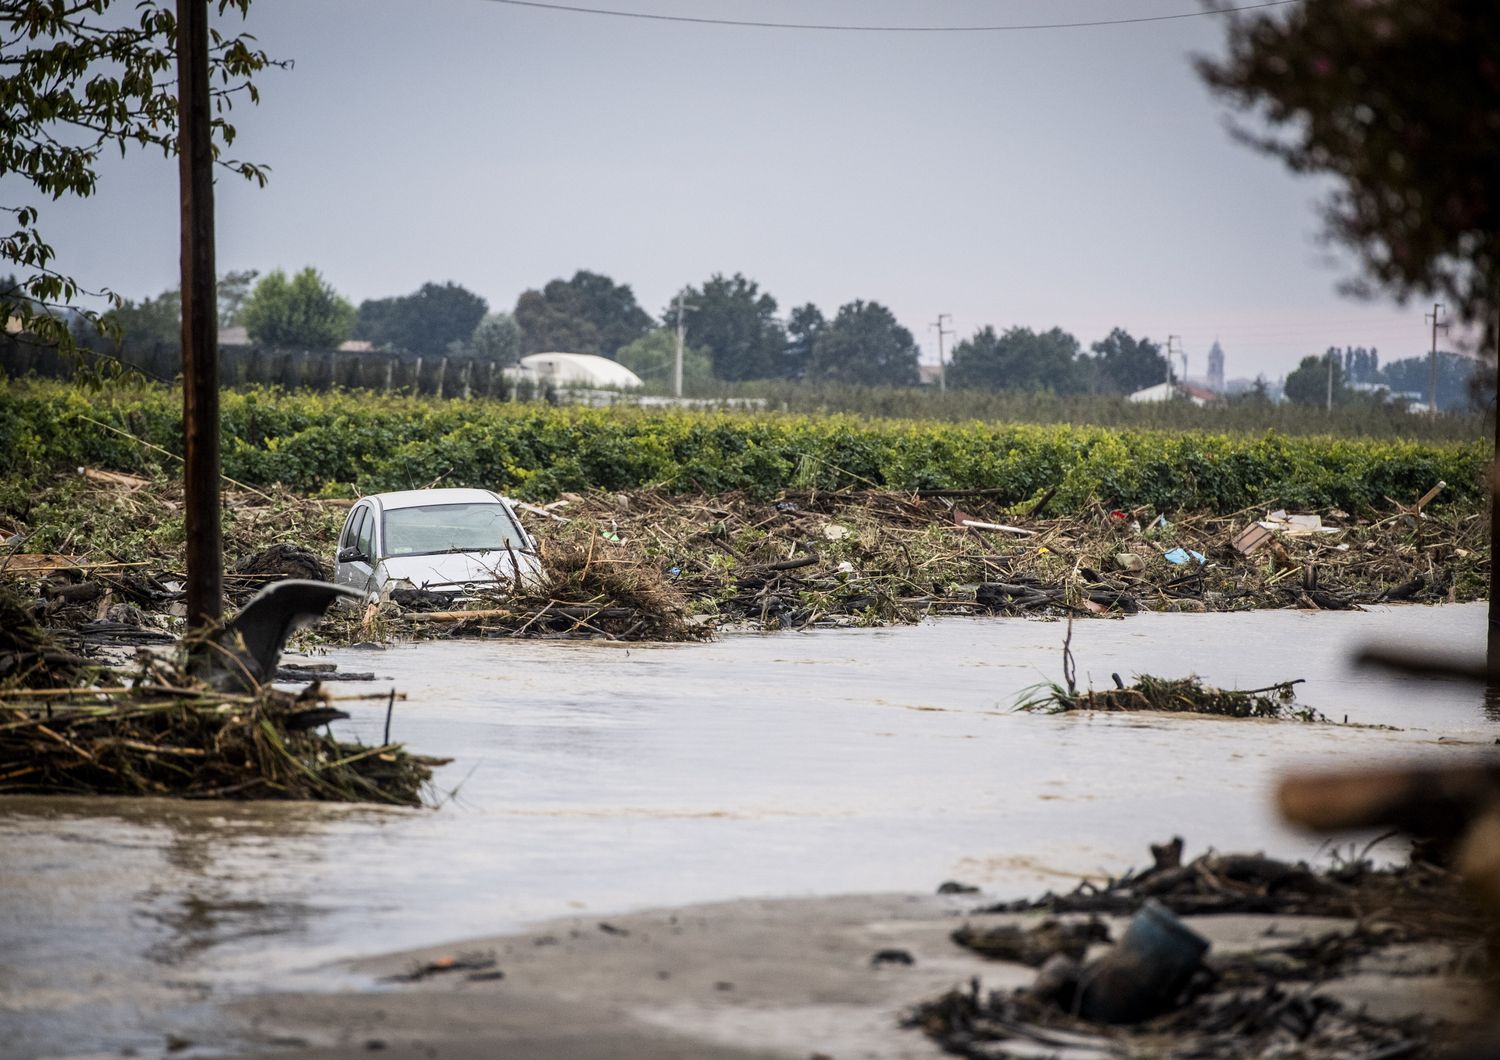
(443, 376)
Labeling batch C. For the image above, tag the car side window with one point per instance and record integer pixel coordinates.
(365, 537)
(351, 532)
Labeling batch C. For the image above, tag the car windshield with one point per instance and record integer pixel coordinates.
(432, 528)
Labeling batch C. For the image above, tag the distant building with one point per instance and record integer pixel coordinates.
(1198, 395)
(1216, 368)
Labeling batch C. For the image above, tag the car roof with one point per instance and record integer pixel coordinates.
(416, 498)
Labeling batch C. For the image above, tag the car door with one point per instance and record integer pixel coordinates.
(355, 560)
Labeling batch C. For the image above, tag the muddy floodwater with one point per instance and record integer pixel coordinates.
(606, 778)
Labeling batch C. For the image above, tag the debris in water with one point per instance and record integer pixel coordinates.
(1186, 695)
(68, 728)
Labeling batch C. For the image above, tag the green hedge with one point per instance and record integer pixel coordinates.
(319, 442)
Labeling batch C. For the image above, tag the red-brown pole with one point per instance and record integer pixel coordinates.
(200, 320)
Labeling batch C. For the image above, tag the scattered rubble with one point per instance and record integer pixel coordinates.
(1161, 992)
(102, 547)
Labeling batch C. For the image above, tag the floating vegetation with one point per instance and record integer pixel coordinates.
(1183, 695)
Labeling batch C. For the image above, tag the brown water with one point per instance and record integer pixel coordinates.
(600, 778)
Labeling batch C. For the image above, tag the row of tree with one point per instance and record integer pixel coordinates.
(732, 332)
(1356, 374)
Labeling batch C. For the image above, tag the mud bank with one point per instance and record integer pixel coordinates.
(831, 977)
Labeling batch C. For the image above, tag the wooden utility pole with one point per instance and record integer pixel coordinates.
(1437, 308)
(1178, 340)
(1493, 640)
(942, 368)
(200, 320)
(1329, 356)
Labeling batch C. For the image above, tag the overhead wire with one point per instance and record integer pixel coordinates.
(830, 27)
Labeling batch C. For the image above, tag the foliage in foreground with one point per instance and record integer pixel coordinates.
(336, 443)
(82, 81)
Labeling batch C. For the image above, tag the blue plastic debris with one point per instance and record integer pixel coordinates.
(1179, 556)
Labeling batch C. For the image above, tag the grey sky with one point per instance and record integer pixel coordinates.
(1079, 178)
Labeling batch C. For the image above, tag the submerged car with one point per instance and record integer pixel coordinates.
(460, 542)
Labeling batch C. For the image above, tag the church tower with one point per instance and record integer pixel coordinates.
(1216, 368)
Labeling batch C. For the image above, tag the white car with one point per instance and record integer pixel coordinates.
(459, 541)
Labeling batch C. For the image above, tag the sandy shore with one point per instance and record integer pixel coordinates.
(750, 978)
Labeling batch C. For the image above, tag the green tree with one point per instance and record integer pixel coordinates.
(1124, 364)
(551, 320)
(1398, 102)
(150, 324)
(1455, 378)
(736, 323)
(1019, 359)
(803, 327)
(304, 312)
(653, 357)
(73, 88)
(588, 314)
(233, 289)
(497, 338)
(427, 321)
(156, 323)
(864, 344)
(1308, 382)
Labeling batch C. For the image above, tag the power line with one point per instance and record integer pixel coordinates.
(841, 28)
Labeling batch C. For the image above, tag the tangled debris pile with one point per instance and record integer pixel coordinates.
(1184, 695)
(68, 727)
(589, 592)
(156, 738)
(1415, 893)
(29, 656)
(1226, 1025)
(1161, 992)
(811, 557)
(100, 553)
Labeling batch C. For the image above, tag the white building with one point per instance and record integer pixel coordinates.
(1172, 392)
(575, 370)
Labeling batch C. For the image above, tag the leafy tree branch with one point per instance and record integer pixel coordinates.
(78, 83)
